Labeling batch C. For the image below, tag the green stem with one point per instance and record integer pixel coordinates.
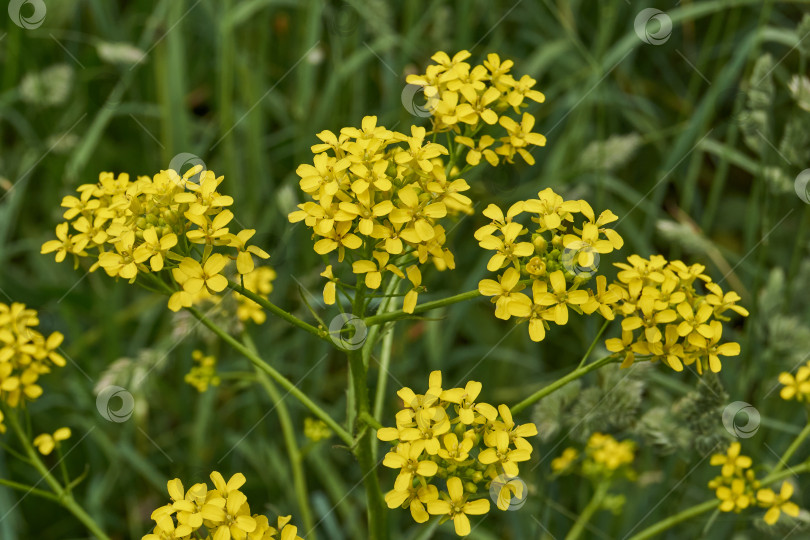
(29, 490)
(792, 449)
(704, 507)
(64, 498)
(680, 517)
(364, 448)
(370, 420)
(371, 337)
(275, 375)
(559, 383)
(274, 309)
(588, 512)
(287, 430)
(427, 306)
(593, 343)
(382, 374)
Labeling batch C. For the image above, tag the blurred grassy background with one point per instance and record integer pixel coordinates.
(694, 143)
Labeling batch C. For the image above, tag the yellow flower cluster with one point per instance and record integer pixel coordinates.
(603, 457)
(316, 430)
(449, 449)
(148, 225)
(46, 442)
(380, 194)
(465, 99)
(665, 316)
(221, 513)
(203, 373)
(555, 255)
(796, 387)
(737, 487)
(25, 354)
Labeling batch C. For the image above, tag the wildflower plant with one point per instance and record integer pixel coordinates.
(379, 205)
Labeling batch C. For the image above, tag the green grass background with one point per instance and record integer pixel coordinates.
(245, 85)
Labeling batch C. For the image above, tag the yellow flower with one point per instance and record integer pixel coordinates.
(732, 462)
(710, 348)
(519, 137)
(406, 458)
(244, 257)
(193, 276)
(559, 298)
(507, 459)
(797, 387)
(457, 507)
(777, 504)
(330, 288)
(46, 442)
(415, 277)
(506, 249)
(155, 248)
(64, 244)
(734, 497)
(503, 291)
(479, 149)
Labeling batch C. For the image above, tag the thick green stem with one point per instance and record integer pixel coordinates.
(364, 447)
(275, 310)
(588, 512)
(293, 452)
(559, 383)
(64, 498)
(427, 306)
(275, 375)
